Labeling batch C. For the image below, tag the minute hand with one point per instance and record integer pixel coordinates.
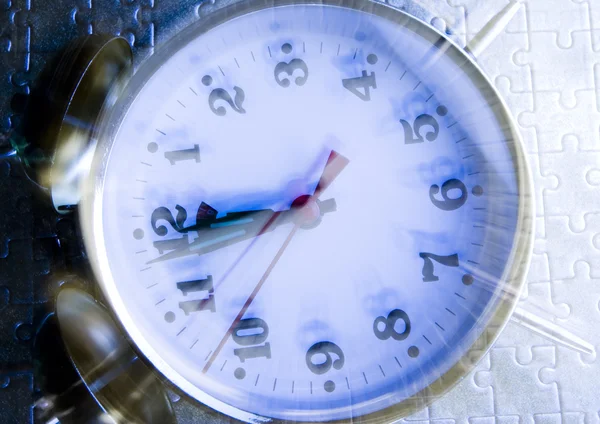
(234, 228)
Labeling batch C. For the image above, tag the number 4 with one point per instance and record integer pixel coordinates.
(366, 82)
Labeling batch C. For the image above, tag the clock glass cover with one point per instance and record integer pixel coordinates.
(309, 211)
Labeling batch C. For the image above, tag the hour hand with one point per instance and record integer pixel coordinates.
(216, 233)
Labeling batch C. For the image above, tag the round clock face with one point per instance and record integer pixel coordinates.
(309, 212)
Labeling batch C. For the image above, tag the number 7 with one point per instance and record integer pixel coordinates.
(428, 258)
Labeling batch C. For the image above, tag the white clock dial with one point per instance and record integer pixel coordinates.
(308, 212)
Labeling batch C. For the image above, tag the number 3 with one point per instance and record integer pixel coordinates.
(289, 68)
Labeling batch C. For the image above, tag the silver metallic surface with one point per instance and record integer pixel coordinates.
(115, 377)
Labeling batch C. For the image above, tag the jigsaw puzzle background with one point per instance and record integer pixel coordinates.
(547, 66)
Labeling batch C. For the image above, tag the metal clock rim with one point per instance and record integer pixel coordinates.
(91, 206)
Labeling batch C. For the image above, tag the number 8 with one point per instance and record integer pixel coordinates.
(390, 322)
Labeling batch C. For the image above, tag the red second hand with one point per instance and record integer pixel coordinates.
(239, 316)
(335, 164)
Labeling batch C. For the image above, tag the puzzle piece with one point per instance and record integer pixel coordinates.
(14, 57)
(541, 183)
(498, 60)
(140, 30)
(513, 377)
(539, 270)
(478, 13)
(579, 184)
(15, 335)
(518, 102)
(16, 396)
(565, 246)
(593, 9)
(565, 17)
(575, 58)
(582, 294)
(552, 120)
(16, 200)
(467, 399)
(83, 16)
(540, 301)
(577, 394)
(21, 270)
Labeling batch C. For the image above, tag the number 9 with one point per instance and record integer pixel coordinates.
(324, 348)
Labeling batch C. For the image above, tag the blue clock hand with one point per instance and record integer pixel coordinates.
(214, 234)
